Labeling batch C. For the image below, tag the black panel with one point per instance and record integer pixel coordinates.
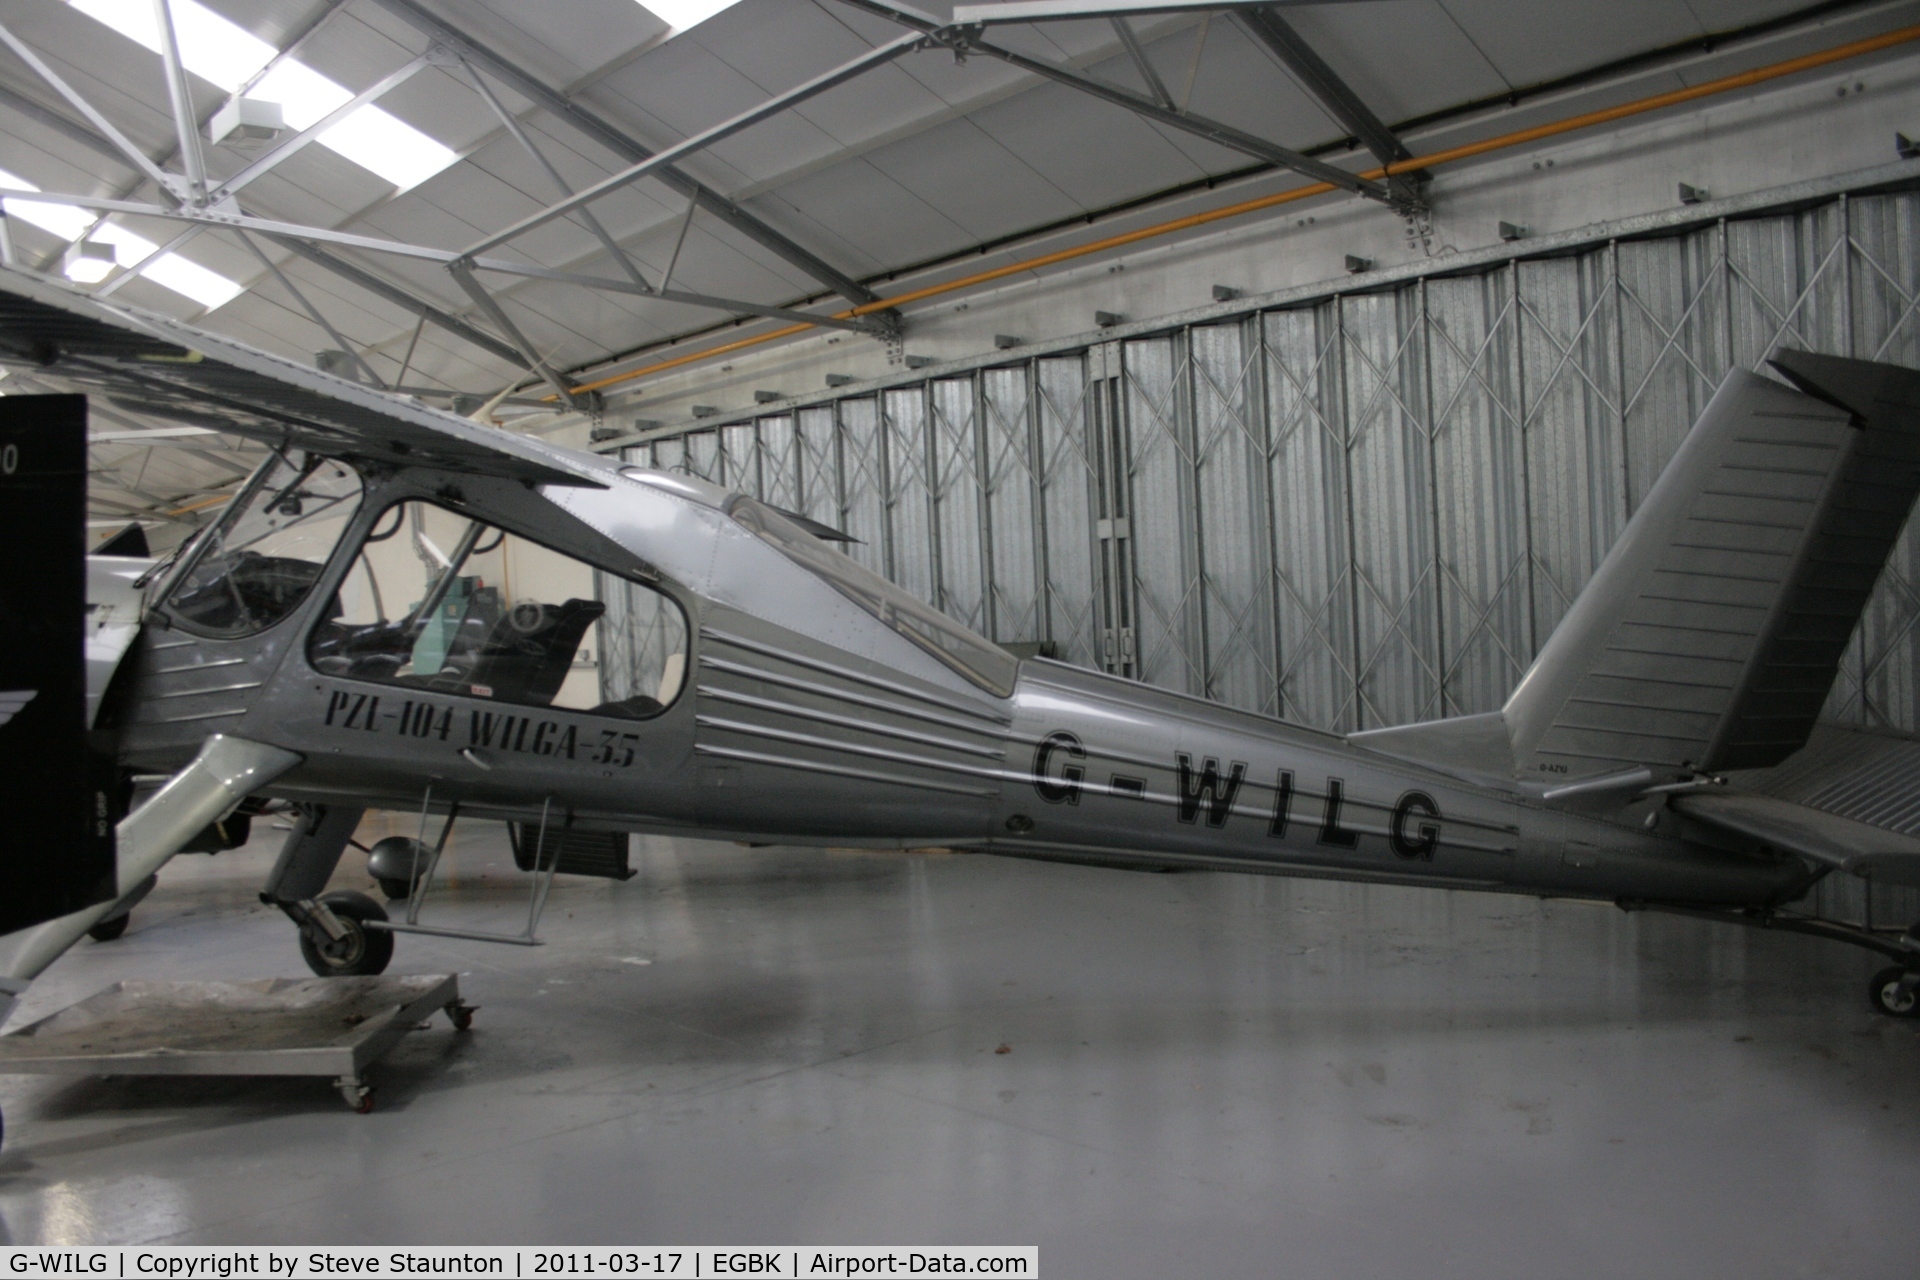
(581, 853)
(58, 852)
(130, 541)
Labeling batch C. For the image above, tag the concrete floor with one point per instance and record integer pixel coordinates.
(1205, 1074)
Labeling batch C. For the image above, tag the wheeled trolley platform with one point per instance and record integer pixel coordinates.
(330, 1027)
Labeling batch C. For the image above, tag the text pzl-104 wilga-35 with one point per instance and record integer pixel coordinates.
(388, 615)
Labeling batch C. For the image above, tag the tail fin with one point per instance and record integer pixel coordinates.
(1711, 634)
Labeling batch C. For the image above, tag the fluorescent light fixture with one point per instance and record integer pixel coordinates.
(131, 249)
(218, 51)
(88, 261)
(681, 14)
(243, 122)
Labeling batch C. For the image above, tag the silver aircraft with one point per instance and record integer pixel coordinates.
(394, 612)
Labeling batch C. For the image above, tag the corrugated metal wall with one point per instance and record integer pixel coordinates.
(1364, 510)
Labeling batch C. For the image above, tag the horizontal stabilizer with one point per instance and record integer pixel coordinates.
(1841, 843)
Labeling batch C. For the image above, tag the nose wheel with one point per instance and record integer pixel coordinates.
(350, 948)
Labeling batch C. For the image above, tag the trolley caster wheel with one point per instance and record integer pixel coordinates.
(109, 929)
(1890, 997)
(358, 1095)
(396, 890)
(460, 1014)
(360, 951)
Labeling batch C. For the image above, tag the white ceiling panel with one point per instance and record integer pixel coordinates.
(1404, 58)
(1241, 84)
(1048, 130)
(587, 34)
(1526, 50)
(894, 224)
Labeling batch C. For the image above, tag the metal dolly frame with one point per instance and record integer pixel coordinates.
(334, 1028)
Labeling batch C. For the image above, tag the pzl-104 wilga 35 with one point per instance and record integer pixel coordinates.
(388, 615)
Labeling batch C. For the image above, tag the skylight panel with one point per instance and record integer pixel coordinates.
(130, 249)
(208, 288)
(212, 48)
(681, 14)
(227, 55)
(388, 146)
(305, 96)
(62, 220)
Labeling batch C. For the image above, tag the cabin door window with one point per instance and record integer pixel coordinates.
(439, 602)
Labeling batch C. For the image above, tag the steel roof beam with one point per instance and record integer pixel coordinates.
(71, 130)
(622, 144)
(512, 126)
(991, 15)
(868, 325)
(1140, 63)
(112, 286)
(121, 143)
(660, 161)
(963, 39)
(291, 234)
(266, 163)
(399, 297)
(313, 312)
(1199, 126)
(352, 273)
(180, 98)
(1326, 86)
(463, 273)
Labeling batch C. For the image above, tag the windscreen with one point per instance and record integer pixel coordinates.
(259, 562)
(979, 660)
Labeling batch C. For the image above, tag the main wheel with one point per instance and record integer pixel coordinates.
(360, 950)
(108, 930)
(1888, 997)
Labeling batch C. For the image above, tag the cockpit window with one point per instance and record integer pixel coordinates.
(267, 551)
(979, 660)
(436, 600)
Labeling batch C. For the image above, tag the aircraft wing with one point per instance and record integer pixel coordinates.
(151, 364)
(1850, 799)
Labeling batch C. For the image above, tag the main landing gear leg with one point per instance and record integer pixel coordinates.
(334, 939)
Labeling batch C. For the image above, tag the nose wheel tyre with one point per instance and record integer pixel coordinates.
(109, 929)
(360, 950)
(1890, 998)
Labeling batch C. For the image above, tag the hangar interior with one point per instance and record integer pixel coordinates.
(1306, 358)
